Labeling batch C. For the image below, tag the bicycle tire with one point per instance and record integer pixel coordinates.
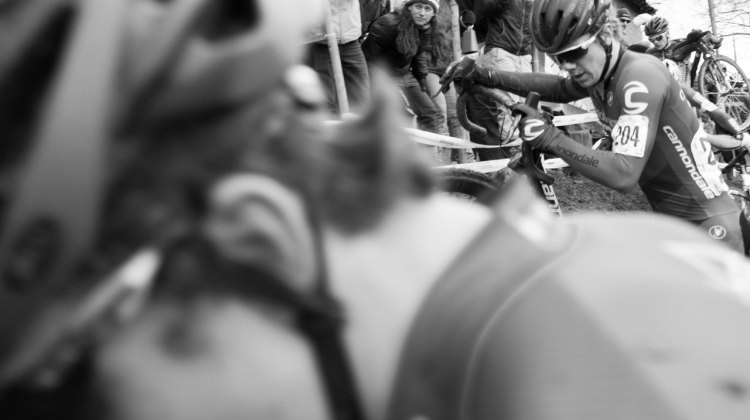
(736, 101)
(467, 184)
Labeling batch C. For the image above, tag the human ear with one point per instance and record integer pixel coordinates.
(607, 35)
(254, 219)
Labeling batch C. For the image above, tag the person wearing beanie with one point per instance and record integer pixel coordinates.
(623, 15)
(630, 31)
(405, 43)
(434, 3)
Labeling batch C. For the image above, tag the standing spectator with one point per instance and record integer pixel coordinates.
(446, 101)
(631, 32)
(507, 46)
(347, 26)
(371, 10)
(405, 42)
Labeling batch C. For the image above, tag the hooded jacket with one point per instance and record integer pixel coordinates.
(380, 47)
(505, 24)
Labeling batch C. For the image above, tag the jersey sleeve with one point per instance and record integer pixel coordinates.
(640, 94)
(637, 100)
(549, 86)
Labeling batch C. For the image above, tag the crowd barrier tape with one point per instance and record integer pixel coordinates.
(484, 166)
(496, 165)
(441, 140)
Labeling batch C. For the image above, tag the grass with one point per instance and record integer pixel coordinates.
(577, 193)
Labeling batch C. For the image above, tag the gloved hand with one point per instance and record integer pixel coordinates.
(536, 128)
(696, 34)
(467, 19)
(461, 73)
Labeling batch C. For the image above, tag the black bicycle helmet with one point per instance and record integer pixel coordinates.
(657, 25)
(556, 25)
(78, 74)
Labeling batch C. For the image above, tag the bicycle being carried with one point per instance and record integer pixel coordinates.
(719, 78)
(471, 181)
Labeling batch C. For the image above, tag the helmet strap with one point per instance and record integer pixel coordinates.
(607, 61)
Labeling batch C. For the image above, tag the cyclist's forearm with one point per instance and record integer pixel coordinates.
(724, 141)
(607, 168)
(550, 87)
(720, 117)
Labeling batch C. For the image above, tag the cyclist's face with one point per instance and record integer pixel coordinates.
(659, 41)
(587, 68)
(422, 13)
(624, 22)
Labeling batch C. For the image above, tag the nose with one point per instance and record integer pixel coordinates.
(568, 66)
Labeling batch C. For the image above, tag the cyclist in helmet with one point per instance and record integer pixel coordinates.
(657, 31)
(680, 50)
(220, 254)
(658, 141)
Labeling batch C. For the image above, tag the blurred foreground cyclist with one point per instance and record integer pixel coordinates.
(182, 239)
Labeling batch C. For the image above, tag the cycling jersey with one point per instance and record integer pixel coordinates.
(679, 52)
(564, 319)
(651, 118)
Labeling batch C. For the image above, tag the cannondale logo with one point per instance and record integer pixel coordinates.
(631, 106)
(717, 232)
(528, 133)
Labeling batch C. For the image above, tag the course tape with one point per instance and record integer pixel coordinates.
(440, 140)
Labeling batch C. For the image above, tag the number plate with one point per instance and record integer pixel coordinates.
(629, 135)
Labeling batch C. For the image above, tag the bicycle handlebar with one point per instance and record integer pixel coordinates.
(529, 161)
(735, 161)
(495, 94)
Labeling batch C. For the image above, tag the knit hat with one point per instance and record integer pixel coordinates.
(434, 3)
(623, 13)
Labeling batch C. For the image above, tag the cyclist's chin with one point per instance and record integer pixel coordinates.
(585, 80)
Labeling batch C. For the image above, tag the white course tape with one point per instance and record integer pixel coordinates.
(432, 139)
(496, 165)
(563, 120)
(440, 140)
(484, 166)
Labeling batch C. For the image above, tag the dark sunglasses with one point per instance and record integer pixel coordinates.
(625, 21)
(575, 54)
(656, 38)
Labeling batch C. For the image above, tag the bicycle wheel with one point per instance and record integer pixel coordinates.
(724, 83)
(467, 184)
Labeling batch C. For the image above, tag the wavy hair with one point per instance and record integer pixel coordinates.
(410, 38)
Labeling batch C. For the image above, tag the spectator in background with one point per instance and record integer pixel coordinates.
(631, 35)
(405, 42)
(446, 101)
(371, 10)
(347, 26)
(507, 46)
